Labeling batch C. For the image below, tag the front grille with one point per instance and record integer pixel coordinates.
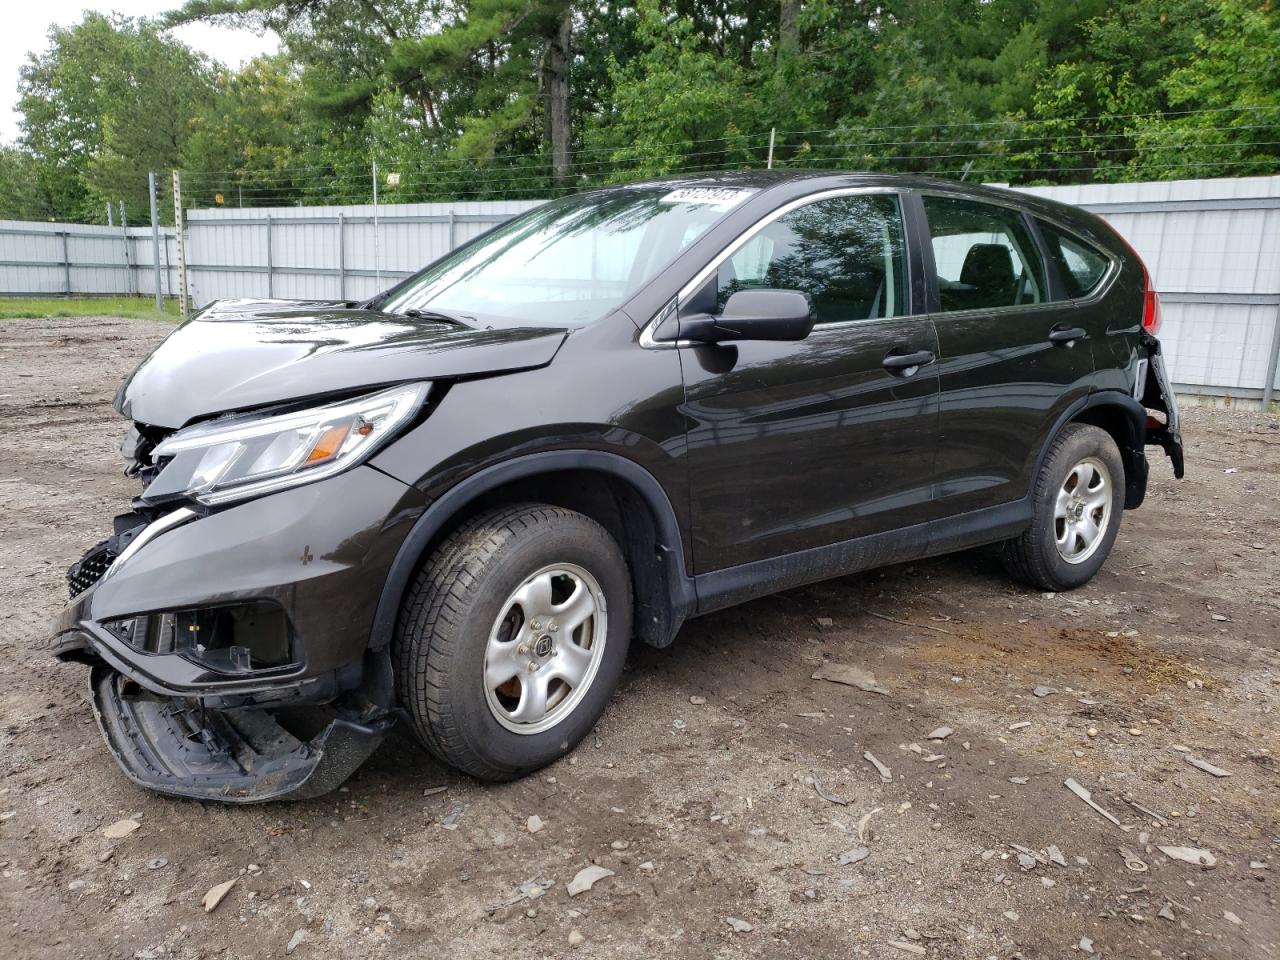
(88, 570)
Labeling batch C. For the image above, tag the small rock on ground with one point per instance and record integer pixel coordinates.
(586, 878)
(216, 894)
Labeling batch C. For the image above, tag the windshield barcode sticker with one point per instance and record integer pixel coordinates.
(723, 198)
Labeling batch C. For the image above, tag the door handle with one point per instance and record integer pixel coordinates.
(1064, 335)
(904, 363)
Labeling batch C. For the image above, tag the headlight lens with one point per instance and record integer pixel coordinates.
(221, 461)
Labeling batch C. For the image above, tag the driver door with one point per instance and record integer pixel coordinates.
(794, 445)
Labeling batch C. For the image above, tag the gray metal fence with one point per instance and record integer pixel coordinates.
(326, 252)
(1213, 247)
(65, 259)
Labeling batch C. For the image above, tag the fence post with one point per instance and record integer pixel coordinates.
(342, 256)
(453, 220)
(168, 280)
(155, 237)
(270, 269)
(377, 261)
(66, 263)
(128, 265)
(111, 220)
(180, 244)
(1268, 388)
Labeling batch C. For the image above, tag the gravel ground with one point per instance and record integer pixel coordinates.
(724, 785)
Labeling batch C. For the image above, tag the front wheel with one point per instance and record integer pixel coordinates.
(1078, 501)
(512, 637)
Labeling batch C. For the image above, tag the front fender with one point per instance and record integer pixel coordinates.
(681, 599)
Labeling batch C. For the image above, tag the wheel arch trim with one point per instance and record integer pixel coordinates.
(437, 516)
(1134, 458)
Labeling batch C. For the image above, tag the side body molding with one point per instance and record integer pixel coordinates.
(667, 612)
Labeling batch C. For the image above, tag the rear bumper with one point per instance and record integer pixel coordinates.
(1157, 394)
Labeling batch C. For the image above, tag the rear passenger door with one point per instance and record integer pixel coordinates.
(1011, 359)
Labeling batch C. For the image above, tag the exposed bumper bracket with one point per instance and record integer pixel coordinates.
(179, 748)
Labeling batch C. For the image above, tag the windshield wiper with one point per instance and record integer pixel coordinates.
(456, 319)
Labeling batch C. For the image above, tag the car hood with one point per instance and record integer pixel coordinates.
(241, 354)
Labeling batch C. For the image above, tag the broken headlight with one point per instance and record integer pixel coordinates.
(234, 458)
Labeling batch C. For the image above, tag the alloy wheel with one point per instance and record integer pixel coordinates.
(1082, 511)
(545, 648)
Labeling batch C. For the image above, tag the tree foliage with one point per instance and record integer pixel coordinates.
(516, 98)
(110, 97)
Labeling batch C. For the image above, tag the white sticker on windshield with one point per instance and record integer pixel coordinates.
(722, 198)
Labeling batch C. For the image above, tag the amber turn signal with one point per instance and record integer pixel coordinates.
(330, 442)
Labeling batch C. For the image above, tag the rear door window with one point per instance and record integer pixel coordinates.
(1080, 265)
(984, 255)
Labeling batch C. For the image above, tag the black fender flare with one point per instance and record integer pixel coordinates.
(1135, 458)
(682, 598)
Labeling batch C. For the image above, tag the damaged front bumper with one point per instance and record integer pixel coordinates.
(180, 748)
(230, 649)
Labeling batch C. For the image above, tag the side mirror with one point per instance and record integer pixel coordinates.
(754, 315)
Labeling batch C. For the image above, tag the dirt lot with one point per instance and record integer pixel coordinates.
(699, 789)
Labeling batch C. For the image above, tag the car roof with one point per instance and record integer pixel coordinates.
(769, 180)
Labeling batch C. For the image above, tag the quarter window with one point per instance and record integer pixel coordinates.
(983, 254)
(846, 253)
(1080, 265)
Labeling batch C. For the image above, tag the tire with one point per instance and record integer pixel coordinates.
(463, 620)
(1058, 552)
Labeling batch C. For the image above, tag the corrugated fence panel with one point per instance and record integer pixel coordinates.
(327, 252)
(56, 259)
(1213, 247)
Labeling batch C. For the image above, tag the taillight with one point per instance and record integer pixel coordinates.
(1150, 298)
(1150, 303)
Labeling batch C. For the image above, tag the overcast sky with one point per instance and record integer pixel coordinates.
(26, 25)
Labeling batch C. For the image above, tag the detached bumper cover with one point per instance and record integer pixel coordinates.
(179, 748)
(1157, 393)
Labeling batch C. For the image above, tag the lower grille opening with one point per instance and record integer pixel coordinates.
(231, 638)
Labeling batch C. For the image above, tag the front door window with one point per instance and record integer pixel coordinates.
(846, 253)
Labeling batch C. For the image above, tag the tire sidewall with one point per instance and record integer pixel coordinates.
(568, 540)
(1083, 441)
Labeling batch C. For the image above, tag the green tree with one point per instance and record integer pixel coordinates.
(677, 105)
(252, 135)
(1225, 102)
(111, 98)
(22, 194)
(1085, 110)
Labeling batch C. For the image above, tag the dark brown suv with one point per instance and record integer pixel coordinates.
(461, 500)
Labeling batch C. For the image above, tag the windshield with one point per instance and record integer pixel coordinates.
(567, 263)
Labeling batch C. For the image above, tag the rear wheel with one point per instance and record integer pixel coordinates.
(512, 638)
(1078, 501)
